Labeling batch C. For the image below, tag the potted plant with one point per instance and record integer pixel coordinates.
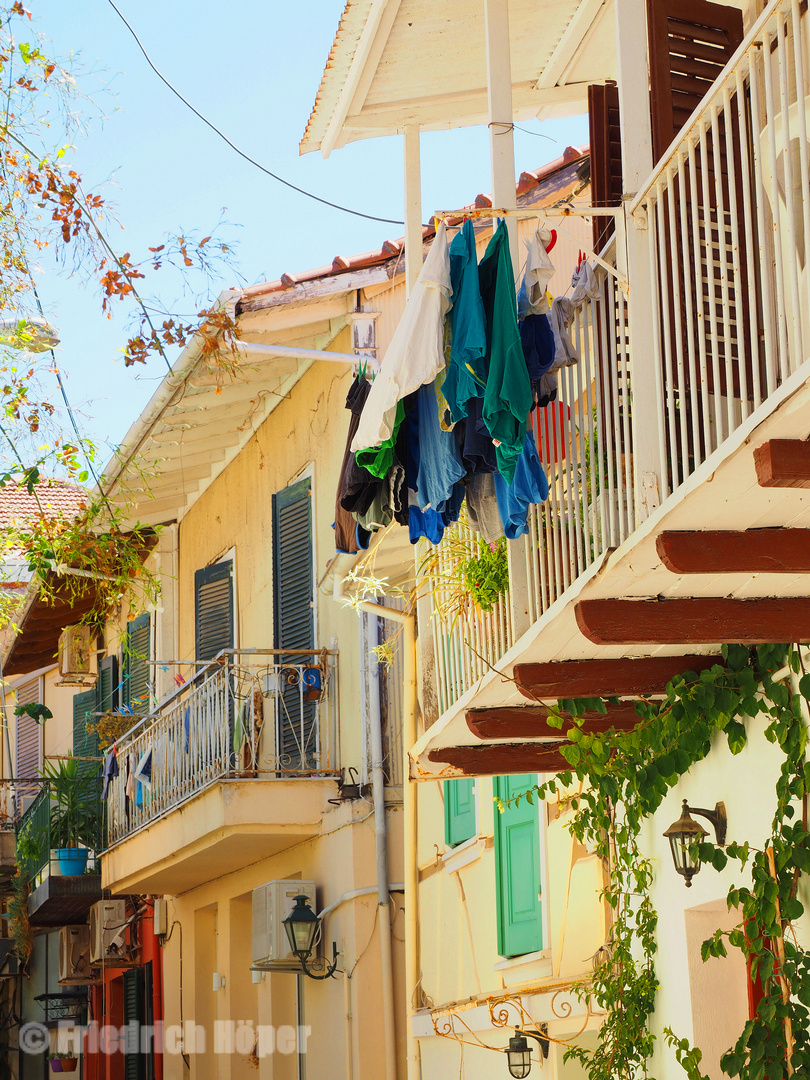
(74, 814)
(63, 1063)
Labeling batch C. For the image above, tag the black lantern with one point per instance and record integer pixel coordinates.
(685, 833)
(301, 926)
(519, 1055)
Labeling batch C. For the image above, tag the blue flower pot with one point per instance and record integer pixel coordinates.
(72, 860)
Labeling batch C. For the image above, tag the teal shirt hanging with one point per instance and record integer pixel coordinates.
(466, 370)
(508, 393)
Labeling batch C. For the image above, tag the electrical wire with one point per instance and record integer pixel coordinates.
(233, 146)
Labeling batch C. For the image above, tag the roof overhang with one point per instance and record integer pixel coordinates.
(398, 63)
(722, 494)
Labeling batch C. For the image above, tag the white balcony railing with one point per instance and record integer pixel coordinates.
(728, 211)
(256, 713)
(584, 441)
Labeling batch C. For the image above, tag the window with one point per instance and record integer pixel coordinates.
(85, 743)
(293, 621)
(459, 811)
(213, 609)
(517, 869)
(27, 744)
(135, 688)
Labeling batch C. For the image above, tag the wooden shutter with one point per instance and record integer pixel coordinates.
(27, 744)
(85, 744)
(459, 811)
(149, 1018)
(137, 670)
(293, 619)
(690, 42)
(213, 609)
(517, 869)
(107, 685)
(606, 157)
(133, 1014)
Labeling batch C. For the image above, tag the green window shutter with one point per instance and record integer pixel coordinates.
(137, 670)
(293, 619)
(459, 810)
(85, 745)
(107, 685)
(517, 869)
(133, 1014)
(213, 609)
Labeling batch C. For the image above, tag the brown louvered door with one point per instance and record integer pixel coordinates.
(606, 156)
(690, 42)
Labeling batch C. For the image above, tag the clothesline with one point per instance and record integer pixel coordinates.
(446, 217)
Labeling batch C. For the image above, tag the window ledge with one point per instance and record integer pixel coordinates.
(468, 852)
(530, 966)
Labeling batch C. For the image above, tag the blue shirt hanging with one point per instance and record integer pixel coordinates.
(465, 376)
(529, 485)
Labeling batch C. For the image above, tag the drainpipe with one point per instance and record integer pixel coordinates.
(406, 619)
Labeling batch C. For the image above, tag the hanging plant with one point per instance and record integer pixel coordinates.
(486, 574)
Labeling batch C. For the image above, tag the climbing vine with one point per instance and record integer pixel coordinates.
(624, 777)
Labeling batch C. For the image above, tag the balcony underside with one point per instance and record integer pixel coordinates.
(654, 596)
(59, 901)
(228, 826)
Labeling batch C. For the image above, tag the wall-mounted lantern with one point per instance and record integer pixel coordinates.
(684, 833)
(302, 926)
(519, 1054)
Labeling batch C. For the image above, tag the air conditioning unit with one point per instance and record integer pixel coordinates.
(272, 903)
(75, 968)
(77, 656)
(108, 939)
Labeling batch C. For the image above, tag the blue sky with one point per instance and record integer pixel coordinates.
(253, 69)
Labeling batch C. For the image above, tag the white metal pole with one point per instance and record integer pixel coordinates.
(636, 135)
(501, 136)
(413, 208)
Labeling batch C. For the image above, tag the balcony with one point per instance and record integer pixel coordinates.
(234, 766)
(56, 822)
(693, 379)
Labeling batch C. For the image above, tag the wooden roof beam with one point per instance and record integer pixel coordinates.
(531, 722)
(755, 551)
(783, 463)
(694, 621)
(634, 675)
(500, 759)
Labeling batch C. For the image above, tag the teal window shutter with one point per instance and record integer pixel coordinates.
(85, 745)
(517, 869)
(459, 810)
(294, 621)
(107, 685)
(135, 689)
(213, 609)
(134, 1063)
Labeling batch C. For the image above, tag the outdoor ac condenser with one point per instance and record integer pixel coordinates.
(77, 657)
(75, 968)
(272, 903)
(108, 933)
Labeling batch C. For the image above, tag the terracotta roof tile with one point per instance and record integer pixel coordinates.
(56, 497)
(391, 248)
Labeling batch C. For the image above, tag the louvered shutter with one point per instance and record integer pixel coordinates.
(134, 1015)
(85, 744)
(213, 609)
(606, 157)
(459, 811)
(137, 670)
(293, 622)
(149, 1017)
(690, 41)
(517, 869)
(27, 744)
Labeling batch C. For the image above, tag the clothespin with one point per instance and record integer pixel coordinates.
(552, 241)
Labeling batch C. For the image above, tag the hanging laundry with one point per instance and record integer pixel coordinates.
(546, 390)
(584, 284)
(143, 770)
(539, 271)
(416, 352)
(508, 393)
(440, 466)
(562, 315)
(109, 772)
(474, 441)
(530, 485)
(186, 728)
(130, 784)
(465, 376)
(431, 523)
(537, 339)
(482, 507)
(345, 527)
